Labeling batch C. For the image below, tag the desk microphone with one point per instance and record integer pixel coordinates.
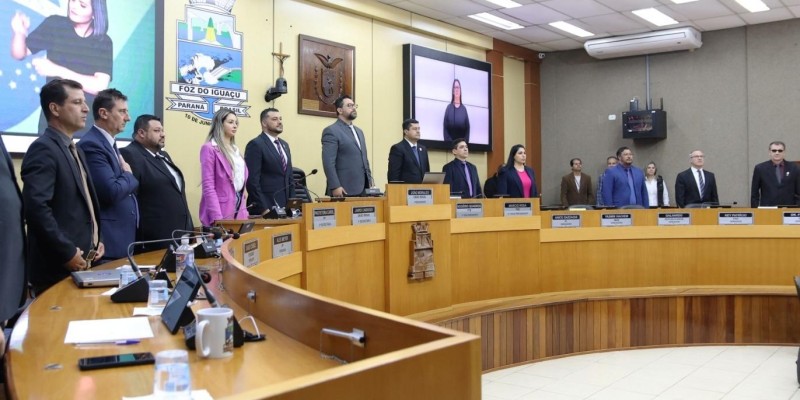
(280, 212)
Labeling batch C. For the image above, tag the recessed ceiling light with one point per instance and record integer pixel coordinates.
(655, 17)
(507, 3)
(683, 1)
(490, 19)
(569, 28)
(753, 5)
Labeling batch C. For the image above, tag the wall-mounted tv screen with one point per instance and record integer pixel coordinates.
(44, 40)
(450, 96)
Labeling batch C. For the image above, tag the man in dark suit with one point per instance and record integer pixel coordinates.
(460, 174)
(344, 153)
(408, 161)
(576, 187)
(269, 161)
(696, 185)
(162, 188)
(12, 246)
(60, 202)
(624, 184)
(112, 177)
(775, 182)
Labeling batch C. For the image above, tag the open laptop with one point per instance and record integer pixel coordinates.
(433, 177)
(98, 278)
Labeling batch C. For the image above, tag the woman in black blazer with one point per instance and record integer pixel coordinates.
(517, 179)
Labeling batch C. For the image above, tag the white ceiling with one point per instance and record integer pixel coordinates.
(602, 17)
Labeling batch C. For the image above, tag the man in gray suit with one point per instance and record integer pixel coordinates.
(344, 153)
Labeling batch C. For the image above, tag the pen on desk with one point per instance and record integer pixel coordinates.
(114, 342)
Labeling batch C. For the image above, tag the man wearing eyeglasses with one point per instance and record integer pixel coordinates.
(696, 185)
(775, 181)
(344, 153)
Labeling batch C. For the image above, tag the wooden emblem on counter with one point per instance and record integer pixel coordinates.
(421, 253)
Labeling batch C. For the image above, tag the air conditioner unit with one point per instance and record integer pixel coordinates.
(644, 43)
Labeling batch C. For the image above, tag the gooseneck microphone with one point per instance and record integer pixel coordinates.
(280, 212)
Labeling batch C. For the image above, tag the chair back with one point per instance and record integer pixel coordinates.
(299, 179)
(631, 207)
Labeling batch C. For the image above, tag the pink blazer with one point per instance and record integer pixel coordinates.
(218, 200)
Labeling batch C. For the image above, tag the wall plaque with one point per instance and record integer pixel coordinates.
(326, 70)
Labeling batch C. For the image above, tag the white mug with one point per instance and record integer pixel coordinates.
(214, 338)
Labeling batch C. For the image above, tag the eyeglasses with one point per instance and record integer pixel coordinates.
(353, 106)
(776, 150)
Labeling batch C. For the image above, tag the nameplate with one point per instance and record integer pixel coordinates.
(673, 219)
(419, 197)
(324, 218)
(740, 218)
(566, 221)
(469, 210)
(364, 215)
(607, 220)
(524, 209)
(281, 245)
(791, 218)
(251, 254)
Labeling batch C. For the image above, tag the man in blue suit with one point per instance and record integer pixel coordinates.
(624, 184)
(112, 176)
(408, 160)
(461, 174)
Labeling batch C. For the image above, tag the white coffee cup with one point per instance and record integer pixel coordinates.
(214, 338)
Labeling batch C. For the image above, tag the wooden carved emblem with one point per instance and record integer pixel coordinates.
(421, 253)
(327, 71)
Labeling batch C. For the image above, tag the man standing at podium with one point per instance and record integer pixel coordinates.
(60, 203)
(775, 181)
(269, 161)
(344, 153)
(623, 184)
(408, 161)
(576, 187)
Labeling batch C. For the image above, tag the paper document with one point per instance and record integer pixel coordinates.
(108, 330)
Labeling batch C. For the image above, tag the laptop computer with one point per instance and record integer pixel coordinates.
(433, 177)
(99, 278)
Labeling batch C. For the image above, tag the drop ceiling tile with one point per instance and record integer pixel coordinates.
(507, 37)
(458, 8)
(777, 14)
(795, 11)
(390, 1)
(536, 14)
(537, 34)
(629, 5)
(578, 8)
(537, 47)
(470, 24)
(611, 22)
(712, 24)
(702, 9)
(791, 2)
(564, 44)
(421, 10)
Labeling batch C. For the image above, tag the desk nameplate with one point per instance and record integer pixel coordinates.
(566, 221)
(419, 197)
(324, 218)
(469, 210)
(518, 209)
(364, 215)
(674, 219)
(281, 245)
(735, 218)
(613, 220)
(791, 218)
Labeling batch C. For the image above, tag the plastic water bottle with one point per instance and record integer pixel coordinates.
(184, 255)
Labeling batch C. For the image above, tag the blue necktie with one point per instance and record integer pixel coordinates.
(632, 199)
(416, 154)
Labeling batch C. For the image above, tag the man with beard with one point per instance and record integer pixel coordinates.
(344, 153)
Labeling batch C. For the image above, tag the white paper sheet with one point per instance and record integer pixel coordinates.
(108, 330)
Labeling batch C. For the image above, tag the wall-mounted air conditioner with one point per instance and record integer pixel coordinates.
(644, 43)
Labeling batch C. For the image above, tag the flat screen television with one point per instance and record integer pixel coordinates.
(432, 81)
(644, 124)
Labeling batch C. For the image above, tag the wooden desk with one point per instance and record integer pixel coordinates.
(401, 357)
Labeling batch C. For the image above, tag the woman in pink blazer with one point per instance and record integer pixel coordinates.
(223, 172)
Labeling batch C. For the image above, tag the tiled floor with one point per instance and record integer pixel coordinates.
(696, 373)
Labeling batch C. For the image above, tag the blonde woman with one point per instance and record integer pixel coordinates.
(223, 172)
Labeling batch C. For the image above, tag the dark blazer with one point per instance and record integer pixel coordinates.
(13, 279)
(55, 208)
(766, 191)
(616, 191)
(345, 164)
(267, 182)
(455, 176)
(571, 195)
(115, 193)
(508, 182)
(403, 164)
(162, 204)
(686, 191)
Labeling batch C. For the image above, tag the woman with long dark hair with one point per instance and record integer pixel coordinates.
(517, 179)
(456, 120)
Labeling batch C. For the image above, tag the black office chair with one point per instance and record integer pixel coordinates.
(300, 190)
(581, 207)
(631, 207)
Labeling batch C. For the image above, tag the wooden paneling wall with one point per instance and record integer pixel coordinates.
(535, 332)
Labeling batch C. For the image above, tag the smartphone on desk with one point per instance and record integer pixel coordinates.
(119, 360)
